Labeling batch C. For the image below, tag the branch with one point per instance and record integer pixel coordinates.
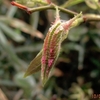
(50, 6)
(92, 17)
(88, 17)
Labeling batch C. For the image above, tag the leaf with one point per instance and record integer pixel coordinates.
(29, 48)
(19, 24)
(35, 65)
(96, 40)
(8, 48)
(11, 11)
(95, 37)
(91, 3)
(11, 33)
(71, 3)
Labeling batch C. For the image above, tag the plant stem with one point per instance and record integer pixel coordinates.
(87, 17)
(92, 17)
(51, 6)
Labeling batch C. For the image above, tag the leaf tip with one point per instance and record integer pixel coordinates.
(44, 82)
(25, 75)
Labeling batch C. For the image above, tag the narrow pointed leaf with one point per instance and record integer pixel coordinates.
(11, 33)
(9, 50)
(35, 65)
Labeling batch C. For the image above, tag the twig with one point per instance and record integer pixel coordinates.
(92, 17)
(51, 6)
(87, 17)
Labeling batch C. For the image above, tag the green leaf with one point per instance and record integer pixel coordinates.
(71, 3)
(9, 50)
(11, 11)
(92, 4)
(22, 26)
(11, 33)
(35, 65)
(96, 40)
(29, 48)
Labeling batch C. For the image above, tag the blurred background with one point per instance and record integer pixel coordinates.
(76, 75)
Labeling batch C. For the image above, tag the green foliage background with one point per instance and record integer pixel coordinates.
(76, 75)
